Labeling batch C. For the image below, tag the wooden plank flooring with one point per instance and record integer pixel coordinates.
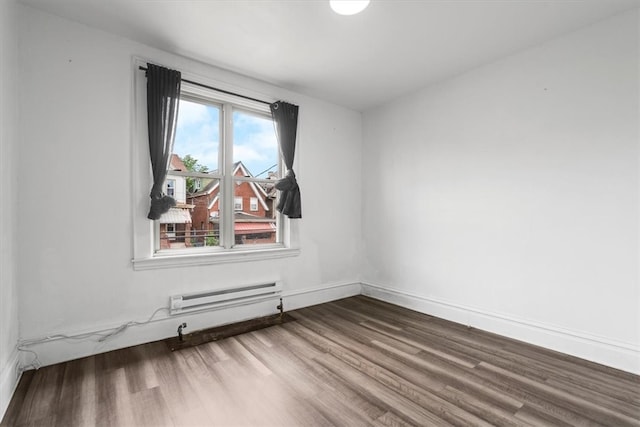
(353, 362)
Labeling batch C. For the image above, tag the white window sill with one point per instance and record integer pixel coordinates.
(212, 258)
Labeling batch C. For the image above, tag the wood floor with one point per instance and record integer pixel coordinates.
(352, 362)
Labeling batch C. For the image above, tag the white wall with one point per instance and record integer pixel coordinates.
(8, 201)
(75, 247)
(507, 198)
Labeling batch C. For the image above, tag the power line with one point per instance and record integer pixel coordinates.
(265, 171)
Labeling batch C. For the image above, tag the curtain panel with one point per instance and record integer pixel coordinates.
(163, 95)
(285, 118)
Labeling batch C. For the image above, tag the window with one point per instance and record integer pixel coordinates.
(225, 148)
(230, 149)
(237, 203)
(171, 231)
(171, 187)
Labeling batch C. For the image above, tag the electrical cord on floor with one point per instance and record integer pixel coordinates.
(102, 335)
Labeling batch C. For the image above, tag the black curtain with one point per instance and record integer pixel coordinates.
(163, 94)
(285, 118)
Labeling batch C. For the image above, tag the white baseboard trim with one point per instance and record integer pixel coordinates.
(61, 350)
(9, 377)
(619, 355)
(317, 295)
(602, 350)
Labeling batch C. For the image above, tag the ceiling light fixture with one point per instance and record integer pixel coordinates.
(348, 7)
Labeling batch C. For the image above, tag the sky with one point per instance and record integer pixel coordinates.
(198, 134)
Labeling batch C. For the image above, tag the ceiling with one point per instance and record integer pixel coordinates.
(359, 61)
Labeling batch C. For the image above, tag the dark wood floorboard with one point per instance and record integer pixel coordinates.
(353, 362)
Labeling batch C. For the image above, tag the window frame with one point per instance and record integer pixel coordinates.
(253, 204)
(237, 203)
(171, 187)
(145, 255)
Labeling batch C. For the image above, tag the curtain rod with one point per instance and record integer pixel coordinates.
(218, 90)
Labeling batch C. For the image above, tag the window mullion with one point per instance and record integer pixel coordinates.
(228, 189)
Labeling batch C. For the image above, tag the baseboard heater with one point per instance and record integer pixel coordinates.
(219, 298)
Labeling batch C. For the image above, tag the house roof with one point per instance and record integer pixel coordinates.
(207, 189)
(245, 223)
(176, 163)
(254, 227)
(176, 216)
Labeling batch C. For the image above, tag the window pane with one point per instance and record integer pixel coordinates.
(255, 154)
(197, 137)
(194, 222)
(255, 223)
(254, 144)
(206, 214)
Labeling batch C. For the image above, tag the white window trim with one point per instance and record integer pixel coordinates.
(223, 257)
(144, 256)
